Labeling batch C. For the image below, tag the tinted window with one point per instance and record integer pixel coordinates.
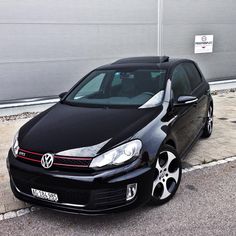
(91, 87)
(180, 82)
(120, 87)
(193, 75)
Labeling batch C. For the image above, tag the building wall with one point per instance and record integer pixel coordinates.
(48, 45)
(183, 19)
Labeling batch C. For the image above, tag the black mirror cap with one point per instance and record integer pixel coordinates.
(62, 95)
(186, 100)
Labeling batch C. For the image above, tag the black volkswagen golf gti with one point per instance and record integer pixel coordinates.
(115, 140)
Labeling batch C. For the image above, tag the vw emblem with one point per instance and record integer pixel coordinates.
(47, 160)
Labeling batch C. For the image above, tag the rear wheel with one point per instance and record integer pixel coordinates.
(207, 130)
(168, 171)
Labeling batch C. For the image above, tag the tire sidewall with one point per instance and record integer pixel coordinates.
(206, 132)
(154, 200)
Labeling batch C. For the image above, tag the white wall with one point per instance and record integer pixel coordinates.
(47, 45)
(183, 19)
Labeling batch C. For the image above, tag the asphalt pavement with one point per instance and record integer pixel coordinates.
(205, 204)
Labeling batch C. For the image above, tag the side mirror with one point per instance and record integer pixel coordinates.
(186, 100)
(62, 95)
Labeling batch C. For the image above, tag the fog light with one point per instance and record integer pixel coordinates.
(131, 191)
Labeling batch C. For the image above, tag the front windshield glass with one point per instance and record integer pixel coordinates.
(140, 88)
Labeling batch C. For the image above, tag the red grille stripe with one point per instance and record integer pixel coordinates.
(29, 159)
(74, 158)
(34, 153)
(61, 157)
(58, 164)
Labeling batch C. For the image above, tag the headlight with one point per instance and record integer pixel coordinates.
(15, 145)
(118, 155)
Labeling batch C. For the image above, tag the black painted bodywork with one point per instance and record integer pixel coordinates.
(64, 127)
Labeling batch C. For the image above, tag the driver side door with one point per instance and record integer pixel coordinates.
(183, 128)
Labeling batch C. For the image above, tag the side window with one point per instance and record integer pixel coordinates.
(91, 87)
(193, 74)
(180, 82)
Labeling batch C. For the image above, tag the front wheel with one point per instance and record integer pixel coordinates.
(168, 171)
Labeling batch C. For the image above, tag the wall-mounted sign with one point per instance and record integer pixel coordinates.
(203, 44)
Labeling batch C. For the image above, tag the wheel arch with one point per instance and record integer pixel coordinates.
(171, 143)
(211, 104)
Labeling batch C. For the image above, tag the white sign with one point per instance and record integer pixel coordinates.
(203, 44)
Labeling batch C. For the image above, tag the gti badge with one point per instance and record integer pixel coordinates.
(47, 160)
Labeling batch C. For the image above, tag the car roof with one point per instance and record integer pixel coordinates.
(151, 62)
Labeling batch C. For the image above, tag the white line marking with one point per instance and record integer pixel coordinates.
(210, 164)
(24, 211)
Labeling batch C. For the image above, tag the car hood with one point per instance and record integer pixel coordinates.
(83, 131)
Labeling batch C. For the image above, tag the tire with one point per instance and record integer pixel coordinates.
(168, 172)
(207, 130)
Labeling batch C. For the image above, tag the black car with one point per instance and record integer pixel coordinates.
(115, 140)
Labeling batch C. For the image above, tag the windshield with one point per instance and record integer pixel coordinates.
(140, 88)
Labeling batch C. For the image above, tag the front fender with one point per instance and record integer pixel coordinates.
(154, 135)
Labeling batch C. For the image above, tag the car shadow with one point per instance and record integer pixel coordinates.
(108, 220)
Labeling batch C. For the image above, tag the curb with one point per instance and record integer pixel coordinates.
(17, 213)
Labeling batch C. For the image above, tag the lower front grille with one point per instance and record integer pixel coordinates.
(110, 197)
(65, 195)
(97, 199)
(70, 191)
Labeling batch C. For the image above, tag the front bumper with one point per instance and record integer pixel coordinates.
(89, 193)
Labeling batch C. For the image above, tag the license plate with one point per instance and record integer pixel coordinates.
(44, 195)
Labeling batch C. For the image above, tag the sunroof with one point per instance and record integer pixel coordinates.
(142, 60)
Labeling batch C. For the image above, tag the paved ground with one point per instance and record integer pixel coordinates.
(222, 144)
(205, 204)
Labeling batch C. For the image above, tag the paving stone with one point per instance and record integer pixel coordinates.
(14, 206)
(2, 208)
(7, 196)
(194, 162)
